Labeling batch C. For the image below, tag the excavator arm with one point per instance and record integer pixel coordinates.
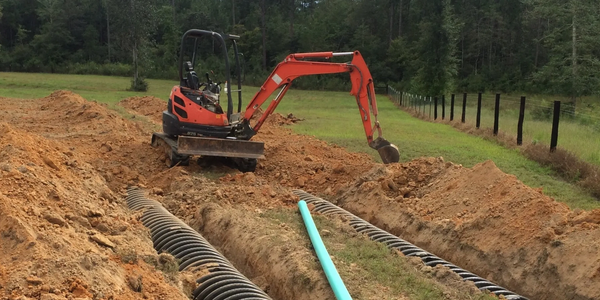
(362, 88)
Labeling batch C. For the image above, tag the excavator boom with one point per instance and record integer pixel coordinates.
(295, 66)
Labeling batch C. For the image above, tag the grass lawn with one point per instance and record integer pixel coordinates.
(105, 89)
(334, 117)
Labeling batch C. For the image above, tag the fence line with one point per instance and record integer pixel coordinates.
(418, 104)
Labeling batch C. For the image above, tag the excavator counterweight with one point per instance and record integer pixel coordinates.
(196, 124)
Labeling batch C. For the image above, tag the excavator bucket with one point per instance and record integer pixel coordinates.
(389, 152)
(190, 145)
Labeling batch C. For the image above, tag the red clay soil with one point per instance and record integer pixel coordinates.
(146, 106)
(65, 163)
(63, 231)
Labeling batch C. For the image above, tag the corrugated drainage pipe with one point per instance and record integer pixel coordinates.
(335, 281)
(408, 249)
(170, 234)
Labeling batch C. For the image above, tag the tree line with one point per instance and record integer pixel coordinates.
(426, 46)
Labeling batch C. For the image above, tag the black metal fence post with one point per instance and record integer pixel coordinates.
(443, 107)
(520, 123)
(496, 114)
(452, 107)
(435, 108)
(478, 120)
(464, 107)
(554, 140)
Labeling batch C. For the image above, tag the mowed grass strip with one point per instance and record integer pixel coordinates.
(333, 117)
(369, 269)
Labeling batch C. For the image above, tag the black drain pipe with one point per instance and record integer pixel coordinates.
(170, 234)
(408, 249)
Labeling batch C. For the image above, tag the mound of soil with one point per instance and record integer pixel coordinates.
(77, 115)
(295, 161)
(148, 106)
(63, 232)
(119, 149)
(506, 231)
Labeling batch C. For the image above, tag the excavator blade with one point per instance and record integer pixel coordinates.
(389, 152)
(190, 145)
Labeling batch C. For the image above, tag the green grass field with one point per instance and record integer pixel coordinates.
(334, 117)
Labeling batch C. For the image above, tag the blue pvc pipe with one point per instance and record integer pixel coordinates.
(335, 281)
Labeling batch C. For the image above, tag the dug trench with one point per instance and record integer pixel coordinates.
(485, 221)
(505, 231)
(87, 155)
(66, 232)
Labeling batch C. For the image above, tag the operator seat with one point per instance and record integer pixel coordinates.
(192, 80)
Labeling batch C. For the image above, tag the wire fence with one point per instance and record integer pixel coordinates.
(532, 120)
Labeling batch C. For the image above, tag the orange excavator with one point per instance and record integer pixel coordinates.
(196, 124)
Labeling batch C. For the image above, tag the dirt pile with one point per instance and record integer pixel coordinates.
(506, 232)
(63, 232)
(148, 106)
(78, 116)
(118, 148)
(294, 161)
(277, 119)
